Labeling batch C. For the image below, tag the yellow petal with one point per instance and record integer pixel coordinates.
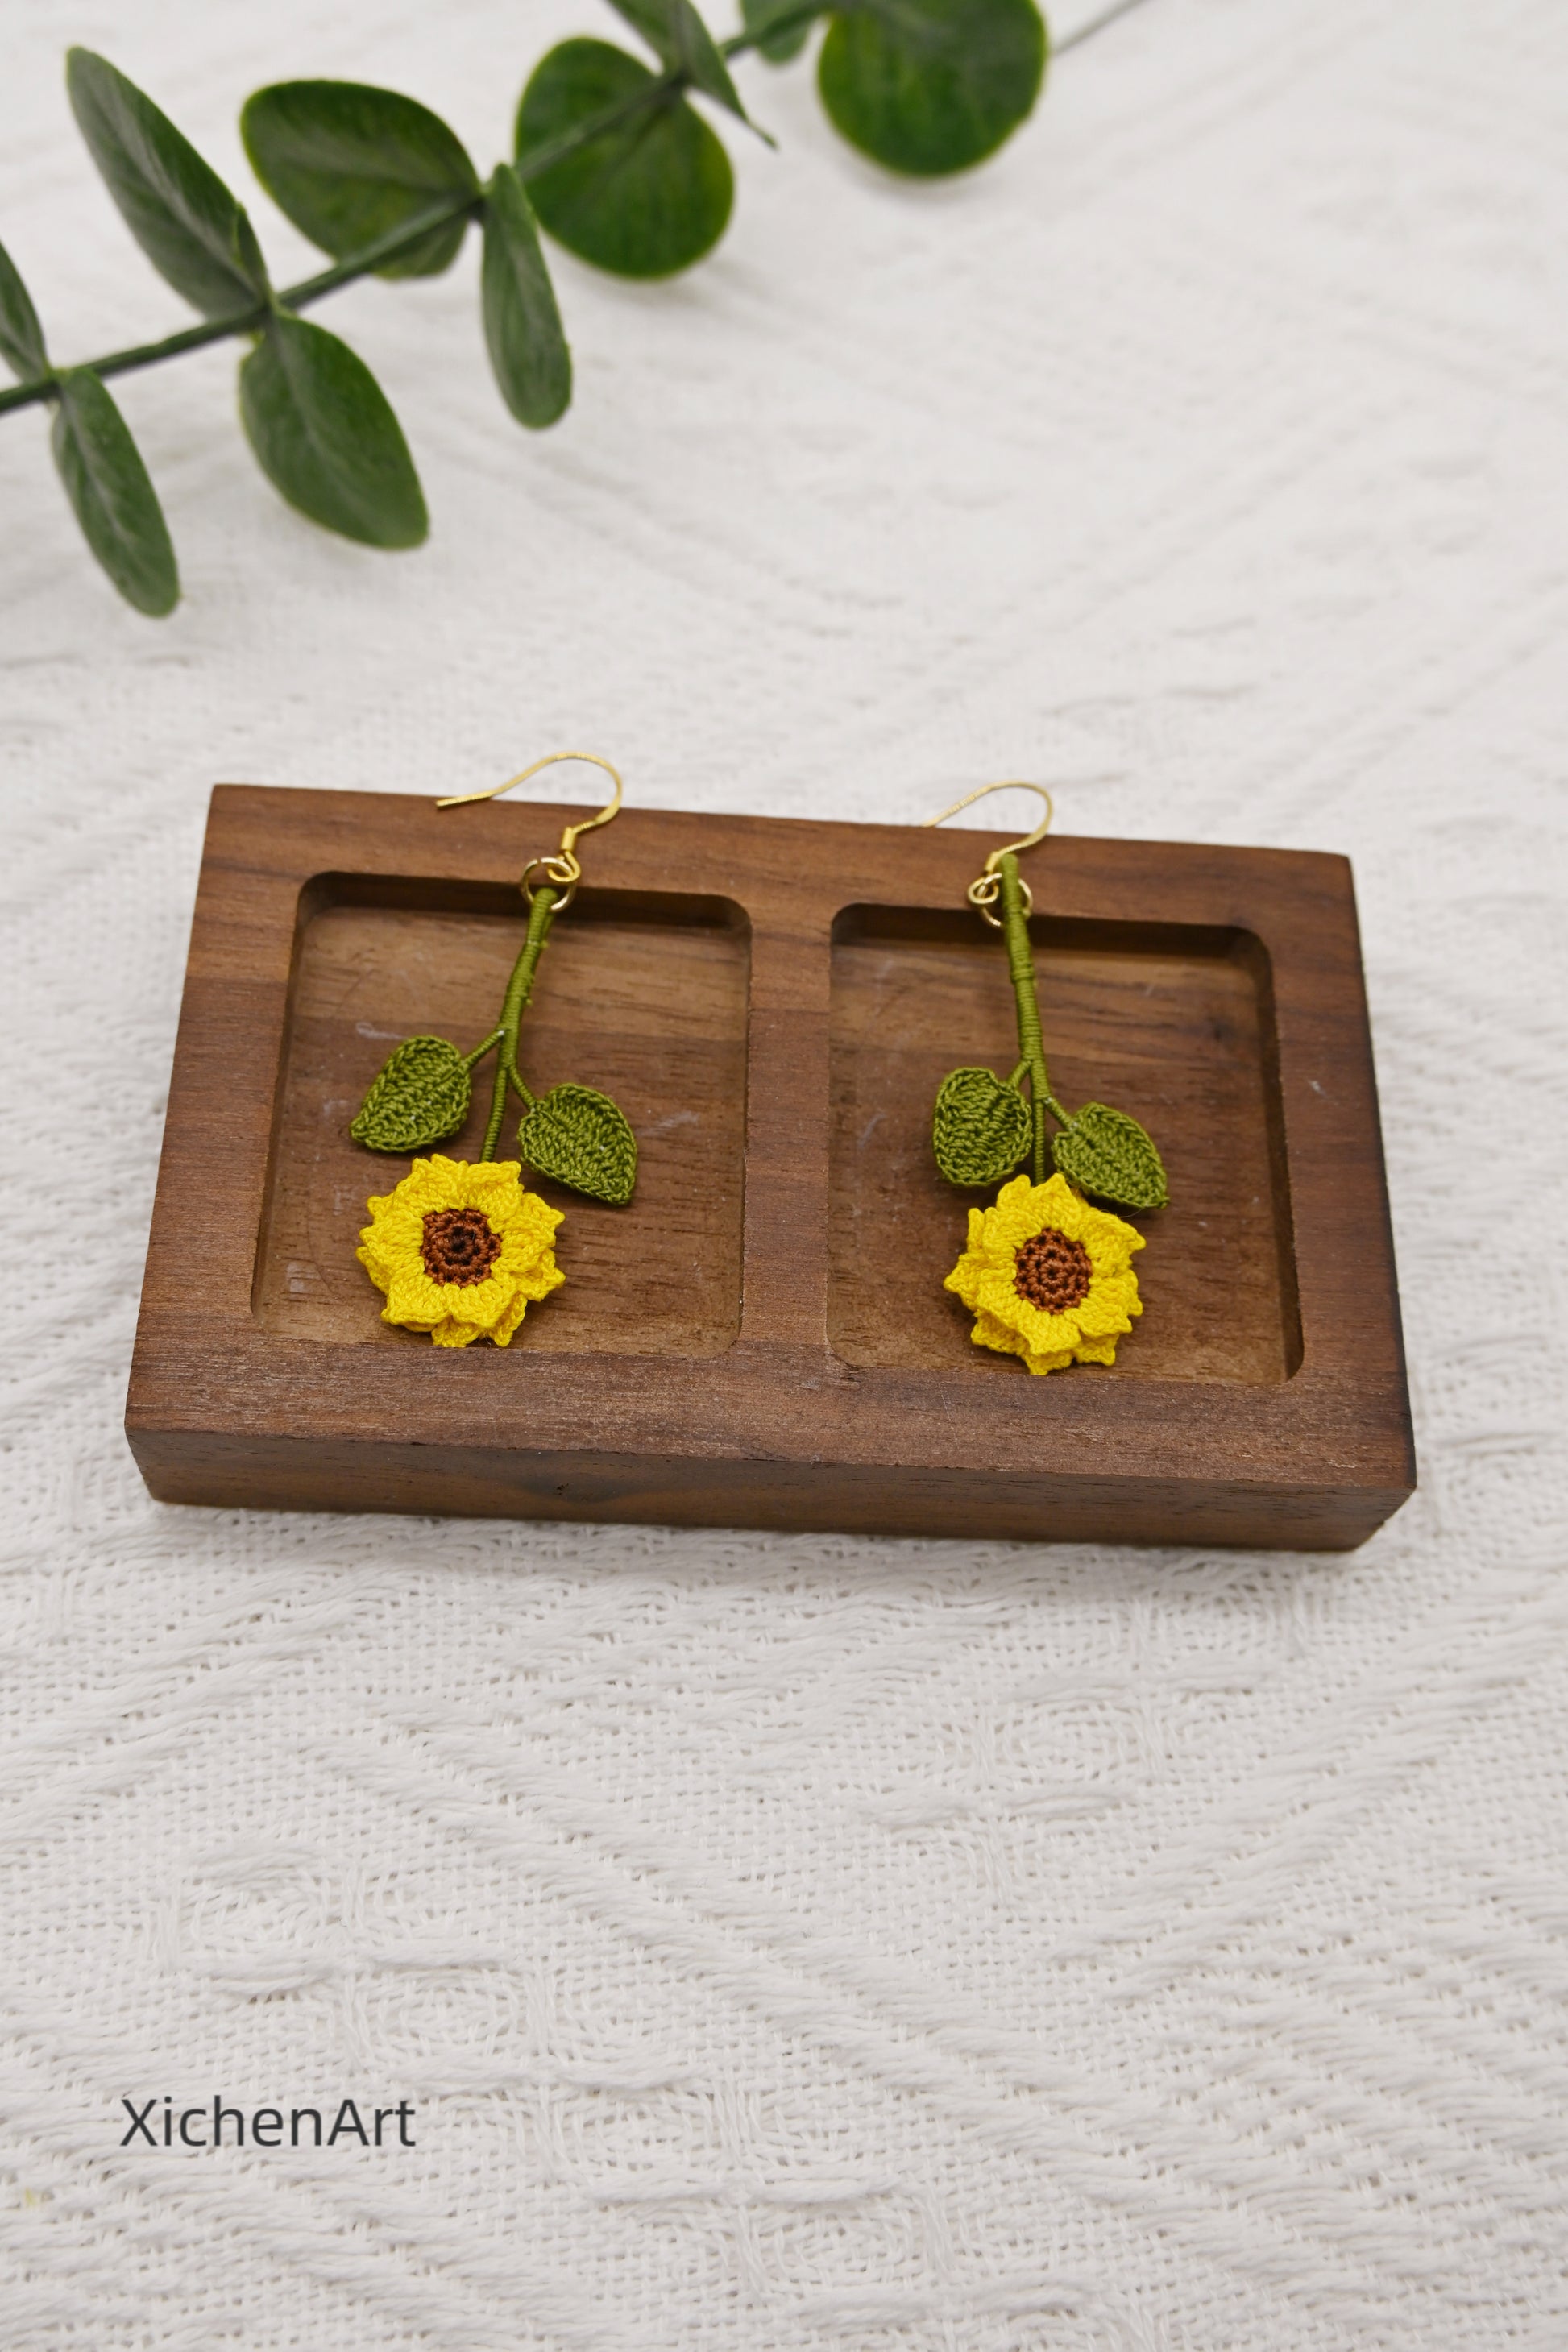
(1017, 1217)
(491, 1186)
(453, 1335)
(1096, 1351)
(527, 1223)
(1110, 1241)
(1110, 1305)
(419, 1190)
(1055, 1203)
(997, 1293)
(410, 1278)
(989, 1333)
(540, 1280)
(371, 1263)
(966, 1277)
(490, 1174)
(401, 1228)
(509, 1321)
(1107, 1260)
(1048, 1335)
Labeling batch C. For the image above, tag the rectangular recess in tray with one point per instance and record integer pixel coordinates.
(763, 1339)
(1173, 1023)
(643, 997)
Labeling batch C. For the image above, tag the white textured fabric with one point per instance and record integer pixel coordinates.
(799, 1944)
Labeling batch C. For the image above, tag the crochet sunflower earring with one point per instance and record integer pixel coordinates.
(459, 1248)
(1046, 1274)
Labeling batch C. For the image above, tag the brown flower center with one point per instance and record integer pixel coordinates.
(459, 1246)
(1052, 1271)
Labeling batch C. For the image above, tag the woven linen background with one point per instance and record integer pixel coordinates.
(796, 1944)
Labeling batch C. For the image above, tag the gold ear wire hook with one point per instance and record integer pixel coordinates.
(986, 887)
(563, 868)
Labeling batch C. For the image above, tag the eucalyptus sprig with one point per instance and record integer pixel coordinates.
(611, 159)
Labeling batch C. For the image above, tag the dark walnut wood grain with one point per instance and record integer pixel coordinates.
(653, 1013)
(762, 1339)
(1172, 1031)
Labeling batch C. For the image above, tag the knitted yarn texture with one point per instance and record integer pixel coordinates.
(981, 1128)
(461, 1250)
(1048, 1277)
(418, 1098)
(582, 1138)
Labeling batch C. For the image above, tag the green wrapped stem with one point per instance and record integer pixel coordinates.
(519, 989)
(1031, 1042)
(982, 1127)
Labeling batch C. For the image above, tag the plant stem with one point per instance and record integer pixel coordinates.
(243, 322)
(786, 21)
(519, 989)
(397, 241)
(1111, 16)
(360, 264)
(480, 1050)
(1031, 1042)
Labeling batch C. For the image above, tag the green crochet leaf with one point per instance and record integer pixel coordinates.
(421, 1095)
(580, 1138)
(1103, 1152)
(981, 1128)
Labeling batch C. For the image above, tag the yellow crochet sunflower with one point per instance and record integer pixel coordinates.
(460, 1249)
(1048, 1277)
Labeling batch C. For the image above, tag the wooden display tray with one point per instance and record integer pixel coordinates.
(762, 1340)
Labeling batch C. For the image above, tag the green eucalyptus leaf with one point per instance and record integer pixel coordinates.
(649, 196)
(21, 337)
(112, 493)
(322, 427)
(175, 207)
(350, 163)
(1106, 1152)
(980, 1128)
(676, 33)
(522, 325)
(419, 1096)
(793, 19)
(931, 85)
(579, 1137)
